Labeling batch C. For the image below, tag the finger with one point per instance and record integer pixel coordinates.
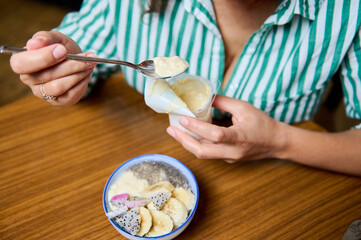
(37, 42)
(66, 68)
(77, 92)
(202, 150)
(211, 132)
(45, 38)
(35, 60)
(60, 86)
(70, 97)
(42, 39)
(228, 104)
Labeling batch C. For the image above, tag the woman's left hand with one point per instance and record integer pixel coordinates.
(254, 135)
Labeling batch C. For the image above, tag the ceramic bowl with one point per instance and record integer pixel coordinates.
(159, 158)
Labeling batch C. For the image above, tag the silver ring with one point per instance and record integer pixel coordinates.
(46, 96)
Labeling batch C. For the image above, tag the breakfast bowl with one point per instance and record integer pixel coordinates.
(151, 197)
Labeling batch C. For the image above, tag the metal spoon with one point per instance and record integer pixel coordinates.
(147, 67)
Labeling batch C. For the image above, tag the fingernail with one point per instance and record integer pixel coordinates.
(59, 52)
(183, 121)
(171, 132)
(41, 38)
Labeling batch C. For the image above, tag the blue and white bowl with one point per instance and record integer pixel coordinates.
(158, 158)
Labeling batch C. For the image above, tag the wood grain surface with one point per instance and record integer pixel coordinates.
(54, 163)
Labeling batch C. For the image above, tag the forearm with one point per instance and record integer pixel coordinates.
(339, 152)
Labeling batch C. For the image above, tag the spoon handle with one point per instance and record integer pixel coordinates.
(8, 49)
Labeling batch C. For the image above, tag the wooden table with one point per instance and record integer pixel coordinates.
(56, 161)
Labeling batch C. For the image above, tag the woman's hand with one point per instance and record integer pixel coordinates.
(253, 135)
(44, 68)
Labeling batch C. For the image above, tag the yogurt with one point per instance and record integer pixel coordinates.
(193, 92)
(170, 66)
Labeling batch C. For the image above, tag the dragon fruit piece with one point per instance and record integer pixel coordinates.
(159, 198)
(117, 212)
(136, 202)
(119, 199)
(130, 221)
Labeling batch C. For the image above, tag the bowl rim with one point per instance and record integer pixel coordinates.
(161, 156)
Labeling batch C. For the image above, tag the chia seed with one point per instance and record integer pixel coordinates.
(154, 171)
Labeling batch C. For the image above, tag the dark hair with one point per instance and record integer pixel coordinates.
(155, 6)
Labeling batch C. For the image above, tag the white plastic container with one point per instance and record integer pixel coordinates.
(161, 97)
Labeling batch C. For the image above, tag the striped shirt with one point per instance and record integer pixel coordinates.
(284, 68)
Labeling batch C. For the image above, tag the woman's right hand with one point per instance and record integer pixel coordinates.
(44, 68)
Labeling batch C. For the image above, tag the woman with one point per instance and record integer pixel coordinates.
(271, 62)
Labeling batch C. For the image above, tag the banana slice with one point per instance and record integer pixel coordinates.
(163, 186)
(145, 221)
(151, 206)
(176, 210)
(161, 224)
(185, 196)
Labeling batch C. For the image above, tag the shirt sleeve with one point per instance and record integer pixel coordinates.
(351, 79)
(92, 27)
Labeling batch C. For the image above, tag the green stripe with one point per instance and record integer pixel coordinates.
(286, 32)
(137, 50)
(302, 78)
(181, 31)
(316, 104)
(97, 32)
(263, 64)
(107, 39)
(301, 3)
(341, 40)
(211, 59)
(221, 64)
(201, 52)
(306, 107)
(220, 72)
(72, 32)
(190, 46)
(294, 68)
(171, 23)
(284, 10)
(159, 33)
(113, 53)
(85, 28)
(128, 24)
(128, 27)
(117, 16)
(326, 43)
(67, 22)
(206, 13)
(307, 9)
(357, 50)
(355, 100)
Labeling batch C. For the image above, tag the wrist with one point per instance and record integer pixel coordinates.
(282, 140)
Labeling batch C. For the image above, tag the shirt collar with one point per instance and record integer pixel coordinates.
(288, 8)
(204, 12)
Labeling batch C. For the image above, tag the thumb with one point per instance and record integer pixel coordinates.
(228, 104)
